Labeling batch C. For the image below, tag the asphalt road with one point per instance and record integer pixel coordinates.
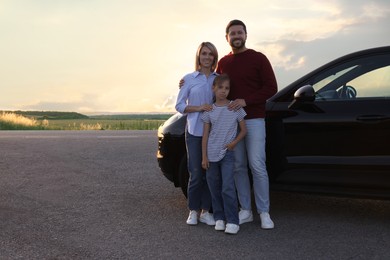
(101, 195)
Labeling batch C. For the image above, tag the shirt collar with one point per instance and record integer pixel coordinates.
(197, 73)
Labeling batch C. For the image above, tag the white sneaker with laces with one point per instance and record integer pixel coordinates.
(266, 222)
(245, 216)
(207, 218)
(192, 218)
(220, 225)
(232, 228)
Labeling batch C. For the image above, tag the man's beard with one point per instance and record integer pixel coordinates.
(237, 43)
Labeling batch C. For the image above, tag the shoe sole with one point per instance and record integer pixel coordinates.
(205, 222)
(231, 232)
(247, 220)
(267, 227)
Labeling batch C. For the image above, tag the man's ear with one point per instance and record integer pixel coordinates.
(226, 37)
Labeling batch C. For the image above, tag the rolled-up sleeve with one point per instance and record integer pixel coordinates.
(184, 93)
(181, 102)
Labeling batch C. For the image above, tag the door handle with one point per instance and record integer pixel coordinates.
(372, 118)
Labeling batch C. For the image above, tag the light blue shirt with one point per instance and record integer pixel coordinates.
(196, 91)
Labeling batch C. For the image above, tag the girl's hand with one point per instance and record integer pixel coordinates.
(205, 163)
(231, 146)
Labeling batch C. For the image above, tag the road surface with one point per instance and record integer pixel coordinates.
(101, 195)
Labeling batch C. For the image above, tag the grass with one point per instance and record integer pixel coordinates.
(105, 124)
(14, 121)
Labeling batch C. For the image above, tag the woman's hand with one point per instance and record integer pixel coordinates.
(205, 107)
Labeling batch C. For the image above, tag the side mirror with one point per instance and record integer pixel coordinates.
(303, 100)
(305, 94)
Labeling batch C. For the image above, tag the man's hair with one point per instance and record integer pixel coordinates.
(235, 22)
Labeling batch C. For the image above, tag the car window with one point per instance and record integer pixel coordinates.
(320, 84)
(367, 77)
(376, 83)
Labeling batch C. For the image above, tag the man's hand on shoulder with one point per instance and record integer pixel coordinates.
(181, 83)
(237, 104)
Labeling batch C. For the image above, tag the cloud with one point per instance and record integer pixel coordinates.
(308, 42)
(81, 106)
(168, 104)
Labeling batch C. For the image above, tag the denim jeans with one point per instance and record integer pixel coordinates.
(198, 191)
(252, 149)
(220, 177)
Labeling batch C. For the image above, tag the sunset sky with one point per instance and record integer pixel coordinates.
(122, 56)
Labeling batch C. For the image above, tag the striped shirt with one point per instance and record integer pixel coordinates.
(223, 130)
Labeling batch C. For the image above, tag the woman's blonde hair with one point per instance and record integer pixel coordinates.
(213, 51)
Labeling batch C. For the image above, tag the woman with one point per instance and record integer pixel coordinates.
(195, 97)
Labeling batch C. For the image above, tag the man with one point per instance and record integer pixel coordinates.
(252, 83)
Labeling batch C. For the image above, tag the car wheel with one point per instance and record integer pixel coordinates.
(184, 175)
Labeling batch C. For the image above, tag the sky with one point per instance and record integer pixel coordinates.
(126, 56)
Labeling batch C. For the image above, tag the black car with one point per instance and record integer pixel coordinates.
(328, 132)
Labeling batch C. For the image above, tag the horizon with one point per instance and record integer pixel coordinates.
(92, 113)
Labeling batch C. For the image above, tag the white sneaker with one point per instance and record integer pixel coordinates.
(232, 228)
(266, 222)
(220, 225)
(207, 218)
(245, 216)
(192, 218)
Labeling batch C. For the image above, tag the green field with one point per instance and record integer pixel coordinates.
(42, 120)
(104, 124)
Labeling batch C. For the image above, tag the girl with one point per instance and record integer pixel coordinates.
(219, 139)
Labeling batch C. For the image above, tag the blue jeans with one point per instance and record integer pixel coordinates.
(220, 177)
(252, 149)
(198, 191)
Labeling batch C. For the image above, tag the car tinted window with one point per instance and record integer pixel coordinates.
(375, 83)
(367, 77)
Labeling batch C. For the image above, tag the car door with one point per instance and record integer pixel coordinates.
(343, 136)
